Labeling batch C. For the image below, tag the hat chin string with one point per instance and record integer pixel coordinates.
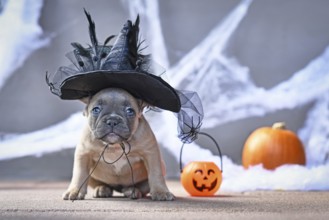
(124, 152)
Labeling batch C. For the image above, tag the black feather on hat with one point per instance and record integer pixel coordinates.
(121, 65)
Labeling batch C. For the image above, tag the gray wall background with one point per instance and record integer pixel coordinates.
(275, 39)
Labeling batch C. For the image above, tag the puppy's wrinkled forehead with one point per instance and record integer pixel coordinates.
(114, 97)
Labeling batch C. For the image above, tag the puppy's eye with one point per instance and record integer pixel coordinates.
(130, 112)
(96, 110)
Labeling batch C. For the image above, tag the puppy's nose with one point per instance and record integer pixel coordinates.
(113, 121)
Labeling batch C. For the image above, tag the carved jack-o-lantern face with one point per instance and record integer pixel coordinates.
(201, 178)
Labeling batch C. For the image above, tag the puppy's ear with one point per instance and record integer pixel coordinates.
(142, 105)
(85, 100)
(145, 107)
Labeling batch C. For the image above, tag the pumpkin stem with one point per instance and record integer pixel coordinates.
(279, 125)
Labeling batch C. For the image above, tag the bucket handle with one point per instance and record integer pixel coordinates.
(218, 148)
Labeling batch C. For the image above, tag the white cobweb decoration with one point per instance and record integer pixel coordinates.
(20, 34)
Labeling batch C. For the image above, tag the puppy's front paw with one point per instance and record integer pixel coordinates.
(132, 192)
(73, 194)
(162, 196)
(102, 192)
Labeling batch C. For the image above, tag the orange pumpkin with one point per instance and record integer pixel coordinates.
(201, 178)
(273, 147)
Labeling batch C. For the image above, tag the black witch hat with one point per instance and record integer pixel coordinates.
(121, 65)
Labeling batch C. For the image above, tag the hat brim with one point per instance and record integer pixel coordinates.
(150, 88)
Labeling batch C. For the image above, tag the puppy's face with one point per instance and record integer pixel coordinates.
(113, 115)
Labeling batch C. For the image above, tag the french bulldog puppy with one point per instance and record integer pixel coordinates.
(116, 125)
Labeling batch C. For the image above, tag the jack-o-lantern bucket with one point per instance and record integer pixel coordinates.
(201, 178)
